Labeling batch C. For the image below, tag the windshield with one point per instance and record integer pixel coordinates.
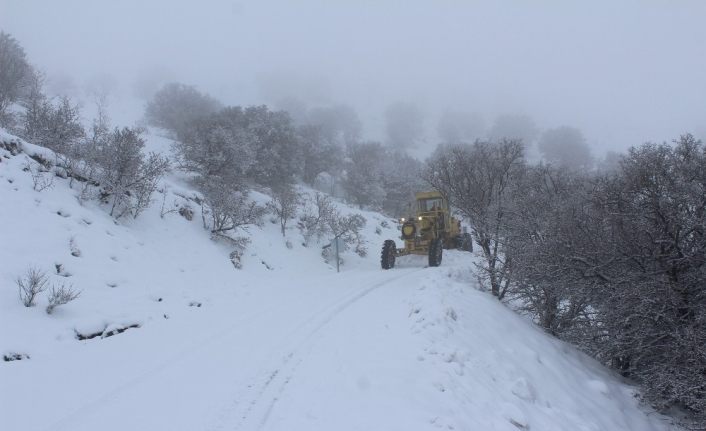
(426, 205)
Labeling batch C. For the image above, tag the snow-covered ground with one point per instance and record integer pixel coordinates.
(285, 343)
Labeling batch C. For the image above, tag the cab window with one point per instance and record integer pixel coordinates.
(426, 205)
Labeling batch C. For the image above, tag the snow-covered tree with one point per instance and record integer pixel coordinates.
(277, 148)
(320, 219)
(364, 171)
(284, 203)
(338, 124)
(401, 178)
(128, 178)
(228, 209)
(319, 153)
(565, 147)
(478, 180)
(175, 105)
(216, 150)
(52, 124)
(16, 74)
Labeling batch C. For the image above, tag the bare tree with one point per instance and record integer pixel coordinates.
(42, 178)
(32, 284)
(320, 219)
(546, 223)
(349, 229)
(284, 204)
(312, 223)
(478, 179)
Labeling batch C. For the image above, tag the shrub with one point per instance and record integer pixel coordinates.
(60, 295)
(128, 178)
(32, 284)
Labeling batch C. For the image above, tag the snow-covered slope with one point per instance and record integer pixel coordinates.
(285, 343)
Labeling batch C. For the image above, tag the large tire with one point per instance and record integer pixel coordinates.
(436, 250)
(387, 257)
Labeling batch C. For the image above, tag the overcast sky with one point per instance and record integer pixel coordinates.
(622, 71)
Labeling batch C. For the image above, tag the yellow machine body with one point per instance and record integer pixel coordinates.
(427, 230)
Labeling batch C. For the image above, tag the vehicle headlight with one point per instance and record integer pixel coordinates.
(420, 218)
(402, 219)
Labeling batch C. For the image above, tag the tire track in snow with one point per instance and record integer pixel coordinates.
(276, 381)
(189, 352)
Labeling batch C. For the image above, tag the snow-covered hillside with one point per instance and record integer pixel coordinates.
(168, 335)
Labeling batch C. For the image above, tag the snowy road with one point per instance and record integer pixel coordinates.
(244, 373)
(362, 350)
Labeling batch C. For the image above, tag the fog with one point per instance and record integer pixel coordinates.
(622, 72)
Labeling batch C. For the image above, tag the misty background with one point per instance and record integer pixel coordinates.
(622, 72)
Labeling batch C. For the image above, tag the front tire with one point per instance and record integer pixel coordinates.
(436, 250)
(387, 257)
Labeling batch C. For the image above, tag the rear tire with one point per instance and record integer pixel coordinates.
(387, 257)
(436, 250)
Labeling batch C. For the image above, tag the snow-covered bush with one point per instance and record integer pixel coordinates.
(321, 219)
(128, 178)
(312, 222)
(42, 178)
(349, 229)
(284, 204)
(226, 209)
(52, 124)
(30, 285)
(61, 295)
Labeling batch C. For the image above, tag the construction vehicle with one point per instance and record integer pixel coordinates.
(430, 230)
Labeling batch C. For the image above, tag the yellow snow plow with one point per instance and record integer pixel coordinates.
(430, 230)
